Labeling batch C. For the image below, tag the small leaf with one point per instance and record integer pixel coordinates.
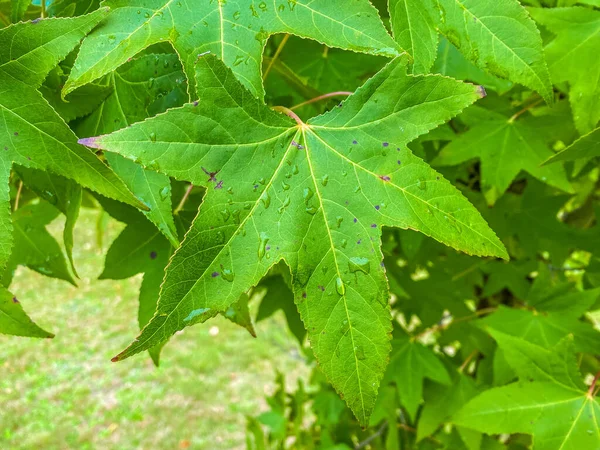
(13, 319)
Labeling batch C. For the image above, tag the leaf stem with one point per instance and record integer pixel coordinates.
(275, 56)
(371, 438)
(438, 327)
(322, 97)
(43, 14)
(590, 392)
(290, 113)
(524, 110)
(183, 199)
(18, 197)
(468, 359)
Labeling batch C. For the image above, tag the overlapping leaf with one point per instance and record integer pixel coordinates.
(587, 146)
(573, 57)
(506, 146)
(235, 30)
(550, 388)
(499, 37)
(32, 134)
(317, 199)
(140, 88)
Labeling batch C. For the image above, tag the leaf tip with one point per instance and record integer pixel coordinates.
(481, 91)
(91, 142)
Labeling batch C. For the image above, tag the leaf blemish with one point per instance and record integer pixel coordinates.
(214, 274)
(15, 300)
(153, 255)
(384, 177)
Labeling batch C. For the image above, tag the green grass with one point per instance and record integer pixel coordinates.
(65, 393)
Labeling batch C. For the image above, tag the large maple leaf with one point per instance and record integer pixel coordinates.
(550, 386)
(31, 133)
(235, 30)
(315, 195)
(573, 58)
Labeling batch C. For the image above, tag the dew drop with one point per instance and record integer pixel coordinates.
(308, 194)
(285, 204)
(311, 210)
(164, 193)
(295, 169)
(422, 184)
(153, 137)
(344, 243)
(227, 274)
(226, 214)
(359, 264)
(344, 327)
(266, 200)
(285, 186)
(339, 220)
(262, 245)
(360, 353)
(325, 180)
(339, 286)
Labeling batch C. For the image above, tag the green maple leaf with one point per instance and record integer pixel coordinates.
(505, 146)
(410, 363)
(572, 57)
(18, 8)
(499, 37)
(550, 402)
(31, 133)
(140, 88)
(414, 29)
(14, 321)
(34, 247)
(313, 194)
(543, 328)
(585, 147)
(64, 194)
(235, 30)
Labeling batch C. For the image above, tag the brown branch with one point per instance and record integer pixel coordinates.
(438, 327)
(275, 56)
(18, 197)
(524, 110)
(590, 392)
(183, 199)
(290, 113)
(322, 97)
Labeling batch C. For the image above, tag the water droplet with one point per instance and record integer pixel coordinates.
(311, 210)
(339, 286)
(360, 353)
(226, 214)
(262, 181)
(295, 169)
(227, 274)
(339, 220)
(164, 193)
(308, 194)
(345, 326)
(325, 180)
(236, 15)
(262, 245)
(422, 184)
(359, 264)
(344, 243)
(266, 200)
(285, 186)
(284, 205)
(153, 137)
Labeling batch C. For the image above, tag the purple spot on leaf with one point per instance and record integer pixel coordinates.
(373, 225)
(214, 274)
(377, 207)
(15, 300)
(153, 255)
(355, 220)
(399, 162)
(385, 144)
(219, 185)
(385, 178)
(196, 103)
(304, 295)
(358, 242)
(355, 142)
(322, 288)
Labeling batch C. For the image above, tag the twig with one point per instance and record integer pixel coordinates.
(18, 197)
(524, 110)
(438, 327)
(371, 438)
(184, 199)
(468, 359)
(276, 55)
(590, 392)
(289, 113)
(322, 97)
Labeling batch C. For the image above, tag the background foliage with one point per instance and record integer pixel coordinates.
(436, 246)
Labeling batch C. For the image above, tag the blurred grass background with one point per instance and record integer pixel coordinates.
(64, 393)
